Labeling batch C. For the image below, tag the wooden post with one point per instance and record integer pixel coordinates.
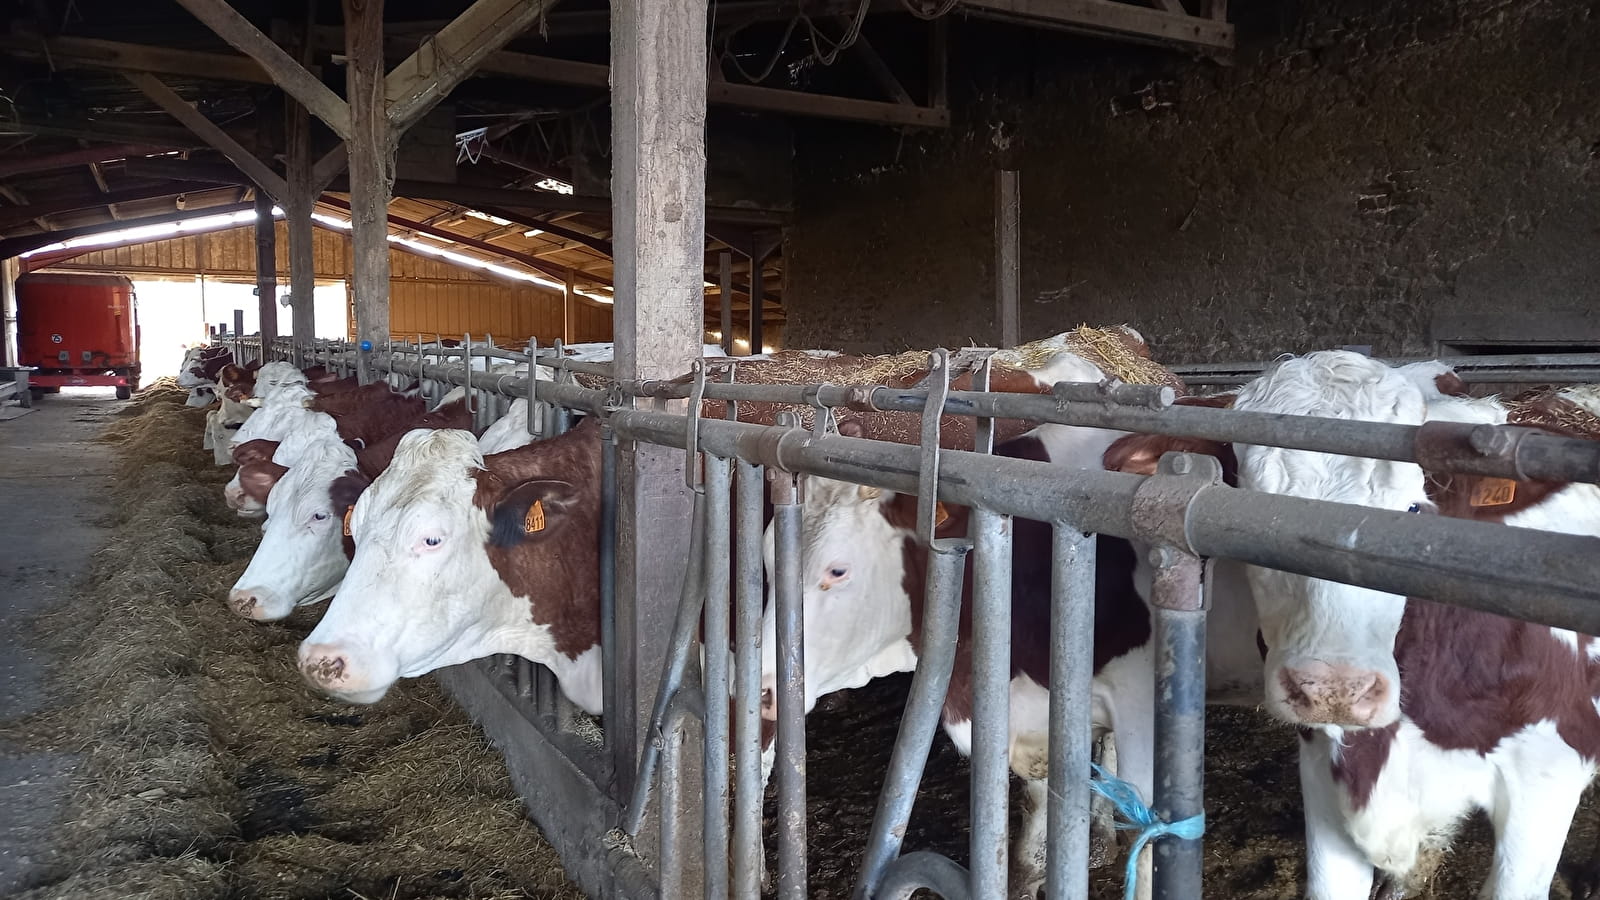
(567, 297)
(658, 160)
(298, 204)
(266, 268)
(371, 169)
(725, 294)
(758, 303)
(1007, 258)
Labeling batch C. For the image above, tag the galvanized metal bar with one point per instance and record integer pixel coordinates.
(1072, 582)
(1180, 719)
(747, 794)
(1537, 576)
(545, 692)
(924, 870)
(941, 616)
(532, 385)
(1135, 408)
(991, 700)
(687, 704)
(718, 485)
(523, 678)
(791, 688)
(608, 587)
(680, 650)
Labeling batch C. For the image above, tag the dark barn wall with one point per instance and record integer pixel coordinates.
(1364, 167)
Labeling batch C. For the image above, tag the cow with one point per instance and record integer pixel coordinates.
(497, 554)
(308, 485)
(1412, 714)
(863, 570)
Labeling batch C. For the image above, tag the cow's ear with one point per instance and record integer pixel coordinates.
(531, 511)
(258, 478)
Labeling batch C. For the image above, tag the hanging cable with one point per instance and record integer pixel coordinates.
(915, 7)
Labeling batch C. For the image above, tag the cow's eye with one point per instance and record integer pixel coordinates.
(838, 572)
(319, 517)
(433, 541)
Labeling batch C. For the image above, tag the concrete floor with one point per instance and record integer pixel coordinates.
(51, 470)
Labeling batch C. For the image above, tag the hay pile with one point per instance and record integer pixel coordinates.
(209, 769)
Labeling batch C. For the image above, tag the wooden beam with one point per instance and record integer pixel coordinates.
(371, 149)
(20, 201)
(725, 295)
(479, 197)
(722, 93)
(164, 138)
(28, 243)
(210, 132)
(597, 244)
(99, 178)
(446, 59)
(1007, 258)
(72, 158)
(91, 53)
(939, 63)
(864, 53)
(329, 166)
(301, 201)
(1107, 17)
(288, 74)
(58, 203)
(568, 295)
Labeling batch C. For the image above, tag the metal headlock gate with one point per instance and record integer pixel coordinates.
(1183, 512)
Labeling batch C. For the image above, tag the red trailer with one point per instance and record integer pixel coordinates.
(79, 330)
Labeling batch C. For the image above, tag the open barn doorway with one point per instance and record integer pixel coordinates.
(174, 314)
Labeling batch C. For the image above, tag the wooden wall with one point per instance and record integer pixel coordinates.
(426, 295)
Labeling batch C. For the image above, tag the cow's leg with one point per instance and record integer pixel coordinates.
(1028, 854)
(1029, 754)
(1336, 869)
(1540, 786)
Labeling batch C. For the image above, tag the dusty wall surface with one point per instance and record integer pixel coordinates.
(1368, 172)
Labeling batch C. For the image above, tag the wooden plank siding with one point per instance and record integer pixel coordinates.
(426, 295)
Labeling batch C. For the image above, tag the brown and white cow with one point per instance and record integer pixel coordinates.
(460, 555)
(308, 485)
(1413, 714)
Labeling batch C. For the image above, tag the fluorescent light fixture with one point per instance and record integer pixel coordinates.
(552, 184)
(533, 232)
(488, 218)
(144, 233)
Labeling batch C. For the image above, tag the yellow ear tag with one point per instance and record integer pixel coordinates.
(533, 522)
(1494, 492)
(347, 511)
(940, 514)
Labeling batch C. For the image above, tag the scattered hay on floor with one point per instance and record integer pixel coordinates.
(209, 769)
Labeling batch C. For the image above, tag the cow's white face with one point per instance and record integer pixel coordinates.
(201, 395)
(857, 613)
(1330, 658)
(275, 375)
(282, 415)
(191, 360)
(301, 556)
(421, 592)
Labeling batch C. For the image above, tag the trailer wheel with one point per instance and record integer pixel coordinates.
(124, 392)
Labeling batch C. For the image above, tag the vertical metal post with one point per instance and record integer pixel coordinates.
(1180, 717)
(747, 794)
(758, 310)
(1008, 257)
(791, 692)
(608, 590)
(991, 700)
(238, 331)
(1071, 670)
(718, 557)
(919, 723)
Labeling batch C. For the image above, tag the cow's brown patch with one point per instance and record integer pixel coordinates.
(256, 451)
(257, 479)
(557, 569)
(374, 458)
(1139, 453)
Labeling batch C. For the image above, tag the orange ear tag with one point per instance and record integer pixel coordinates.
(1493, 492)
(533, 522)
(347, 511)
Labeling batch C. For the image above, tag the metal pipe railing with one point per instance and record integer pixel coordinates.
(1538, 576)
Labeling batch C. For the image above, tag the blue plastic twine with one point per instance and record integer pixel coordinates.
(1136, 815)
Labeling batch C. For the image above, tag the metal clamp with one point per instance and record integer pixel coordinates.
(822, 420)
(1160, 505)
(983, 429)
(938, 379)
(732, 406)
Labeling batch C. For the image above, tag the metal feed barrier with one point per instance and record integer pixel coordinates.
(1183, 512)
